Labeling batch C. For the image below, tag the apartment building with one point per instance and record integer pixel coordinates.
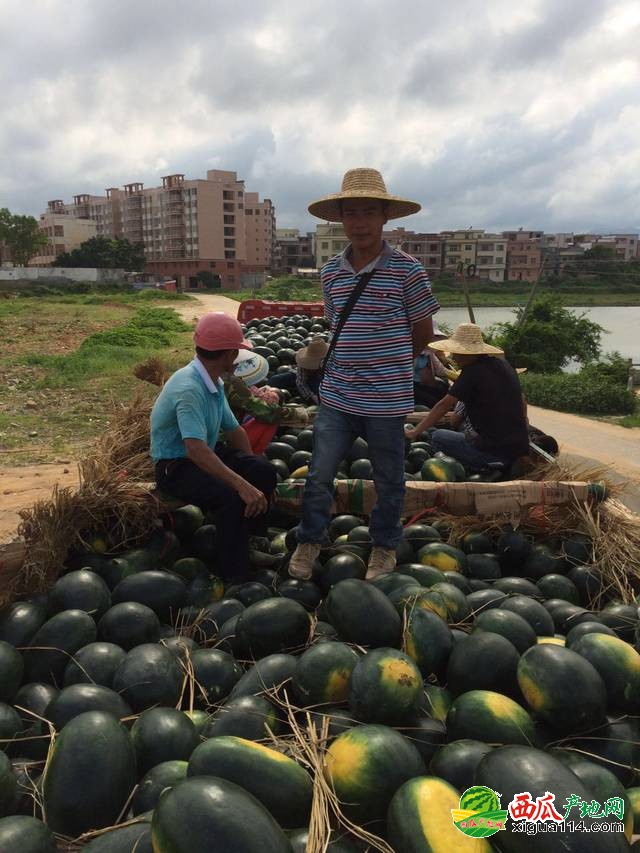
(293, 250)
(460, 247)
(626, 246)
(491, 257)
(188, 227)
(64, 231)
(330, 241)
(524, 255)
(562, 240)
(426, 248)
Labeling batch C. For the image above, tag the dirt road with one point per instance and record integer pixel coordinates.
(206, 302)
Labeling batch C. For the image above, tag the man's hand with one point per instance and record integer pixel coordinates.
(255, 501)
(411, 433)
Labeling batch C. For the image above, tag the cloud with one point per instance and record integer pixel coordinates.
(489, 114)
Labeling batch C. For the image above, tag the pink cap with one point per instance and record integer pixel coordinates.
(217, 331)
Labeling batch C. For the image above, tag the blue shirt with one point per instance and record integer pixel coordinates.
(190, 405)
(371, 369)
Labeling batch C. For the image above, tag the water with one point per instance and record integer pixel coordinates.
(621, 324)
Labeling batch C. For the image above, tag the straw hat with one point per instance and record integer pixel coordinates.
(362, 183)
(251, 367)
(466, 340)
(310, 357)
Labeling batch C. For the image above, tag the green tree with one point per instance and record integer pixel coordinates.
(549, 338)
(22, 236)
(105, 253)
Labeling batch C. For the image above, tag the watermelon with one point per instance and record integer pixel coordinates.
(11, 671)
(323, 674)
(386, 686)
(558, 586)
(149, 675)
(428, 641)
(436, 701)
(164, 592)
(512, 549)
(95, 663)
(339, 568)
(46, 657)
(273, 671)
(418, 535)
(185, 521)
(412, 823)
(209, 813)
(80, 590)
(484, 661)
(441, 471)
(165, 775)
(587, 628)
(215, 673)
(534, 613)
(615, 745)
(490, 717)
(20, 621)
(188, 568)
(366, 765)
(249, 717)
(76, 797)
(135, 837)
(77, 698)
(274, 625)
(305, 593)
(618, 664)
(510, 625)
(456, 762)
(513, 769)
(442, 556)
(363, 614)
(483, 566)
(277, 781)
(162, 734)
(562, 688)
(129, 624)
(476, 543)
(623, 618)
(24, 834)
(8, 786)
(426, 734)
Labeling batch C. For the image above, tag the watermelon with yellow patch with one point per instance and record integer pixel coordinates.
(365, 767)
(282, 786)
(420, 821)
(442, 556)
(442, 470)
(562, 688)
(618, 664)
(489, 717)
(428, 641)
(323, 674)
(386, 686)
(436, 702)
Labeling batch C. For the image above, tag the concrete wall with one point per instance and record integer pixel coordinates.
(58, 274)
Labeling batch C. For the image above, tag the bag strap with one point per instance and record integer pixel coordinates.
(355, 294)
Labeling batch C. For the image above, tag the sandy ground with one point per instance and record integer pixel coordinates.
(584, 442)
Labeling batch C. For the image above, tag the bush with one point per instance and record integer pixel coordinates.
(584, 393)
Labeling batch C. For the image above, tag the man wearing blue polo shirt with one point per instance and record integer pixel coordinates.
(186, 421)
(367, 387)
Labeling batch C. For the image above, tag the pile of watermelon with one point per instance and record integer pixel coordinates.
(143, 698)
(278, 339)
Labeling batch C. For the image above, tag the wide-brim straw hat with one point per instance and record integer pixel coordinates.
(310, 357)
(362, 183)
(251, 367)
(466, 340)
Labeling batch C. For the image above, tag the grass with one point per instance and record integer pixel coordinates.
(65, 359)
(630, 421)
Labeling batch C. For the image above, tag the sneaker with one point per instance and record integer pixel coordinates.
(381, 561)
(302, 560)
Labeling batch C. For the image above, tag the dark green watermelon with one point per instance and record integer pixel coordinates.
(129, 624)
(160, 735)
(149, 675)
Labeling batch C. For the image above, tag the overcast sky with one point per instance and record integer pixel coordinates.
(492, 114)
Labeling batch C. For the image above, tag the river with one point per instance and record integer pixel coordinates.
(621, 325)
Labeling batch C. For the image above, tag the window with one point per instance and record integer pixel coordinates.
(454, 247)
(500, 247)
(228, 206)
(229, 220)
(485, 247)
(453, 259)
(230, 253)
(227, 194)
(59, 230)
(433, 261)
(468, 247)
(484, 261)
(248, 211)
(229, 232)
(324, 245)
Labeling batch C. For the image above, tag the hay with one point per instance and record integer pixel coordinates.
(154, 370)
(123, 450)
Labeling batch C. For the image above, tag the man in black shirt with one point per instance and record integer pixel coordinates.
(490, 390)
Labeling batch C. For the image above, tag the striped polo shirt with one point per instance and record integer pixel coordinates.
(371, 369)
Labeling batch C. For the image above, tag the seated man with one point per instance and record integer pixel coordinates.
(186, 421)
(491, 393)
(306, 380)
(429, 379)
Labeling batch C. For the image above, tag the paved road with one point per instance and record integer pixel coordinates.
(595, 443)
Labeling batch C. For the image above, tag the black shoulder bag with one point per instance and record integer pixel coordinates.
(356, 293)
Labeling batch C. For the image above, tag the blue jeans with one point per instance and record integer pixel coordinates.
(333, 435)
(455, 444)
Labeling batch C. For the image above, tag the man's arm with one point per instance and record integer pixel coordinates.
(239, 440)
(436, 414)
(421, 334)
(201, 455)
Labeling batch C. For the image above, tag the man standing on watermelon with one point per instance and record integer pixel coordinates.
(186, 421)
(380, 306)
